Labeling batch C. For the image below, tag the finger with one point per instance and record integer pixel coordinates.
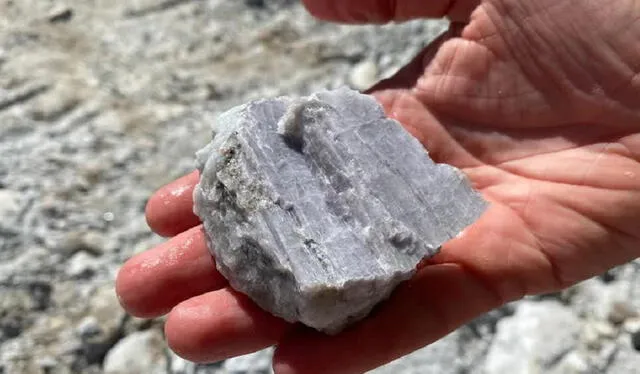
(219, 325)
(153, 282)
(170, 209)
(382, 11)
(436, 301)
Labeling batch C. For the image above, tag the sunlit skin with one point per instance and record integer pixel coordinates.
(538, 102)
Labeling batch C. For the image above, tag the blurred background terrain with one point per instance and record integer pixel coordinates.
(103, 101)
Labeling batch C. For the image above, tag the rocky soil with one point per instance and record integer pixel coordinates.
(101, 102)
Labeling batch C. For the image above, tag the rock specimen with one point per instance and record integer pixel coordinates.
(317, 208)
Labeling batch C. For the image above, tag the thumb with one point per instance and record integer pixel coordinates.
(382, 11)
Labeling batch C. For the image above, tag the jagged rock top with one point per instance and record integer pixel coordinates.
(318, 207)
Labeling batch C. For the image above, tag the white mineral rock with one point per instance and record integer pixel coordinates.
(317, 208)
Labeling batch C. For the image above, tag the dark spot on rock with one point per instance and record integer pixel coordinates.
(635, 340)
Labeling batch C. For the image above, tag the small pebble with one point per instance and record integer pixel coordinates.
(9, 202)
(621, 311)
(605, 330)
(257, 362)
(77, 241)
(608, 276)
(573, 362)
(47, 363)
(60, 13)
(364, 75)
(140, 352)
(535, 336)
(94, 242)
(179, 365)
(635, 340)
(255, 3)
(89, 326)
(591, 337)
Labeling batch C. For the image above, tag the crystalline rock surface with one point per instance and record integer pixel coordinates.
(318, 207)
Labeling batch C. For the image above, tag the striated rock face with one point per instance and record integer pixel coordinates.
(317, 208)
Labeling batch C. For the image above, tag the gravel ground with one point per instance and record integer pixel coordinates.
(101, 102)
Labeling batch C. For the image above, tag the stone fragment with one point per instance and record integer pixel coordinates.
(102, 325)
(15, 305)
(573, 362)
(90, 242)
(61, 13)
(317, 208)
(88, 327)
(364, 75)
(252, 363)
(631, 325)
(625, 361)
(443, 356)
(179, 365)
(9, 203)
(140, 352)
(620, 312)
(533, 339)
(82, 265)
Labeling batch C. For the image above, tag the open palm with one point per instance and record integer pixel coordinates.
(538, 102)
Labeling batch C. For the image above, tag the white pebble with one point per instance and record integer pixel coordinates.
(364, 75)
(140, 352)
(9, 202)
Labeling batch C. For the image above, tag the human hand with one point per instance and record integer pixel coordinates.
(536, 101)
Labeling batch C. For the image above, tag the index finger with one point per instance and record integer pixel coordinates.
(169, 211)
(382, 11)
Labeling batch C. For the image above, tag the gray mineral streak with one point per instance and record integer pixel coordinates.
(317, 208)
